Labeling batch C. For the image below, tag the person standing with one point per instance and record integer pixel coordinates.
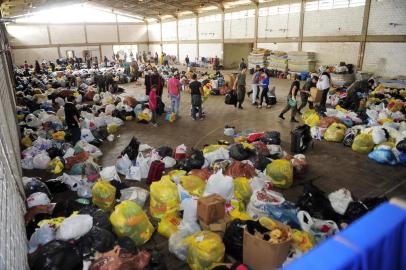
(305, 93)
(156, 58)
(239, 86)
(255, 84)
(174, 93)
(105, 61)
(324, 84)
(265, 89)
(242, 64)
(166, 60)
(291, 99)
(196, 91)
(187, 61)
(72, 119)
(153, 105)
(37, 69)
(216, 63)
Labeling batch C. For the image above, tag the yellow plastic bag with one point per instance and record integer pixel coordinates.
(26, 141)
(103, 195)
(54, 222)
(212, 148)
(302, 240)
(238, 211)
(268, 223)
(247, 145)
(242, 189)
(128, 118)
(206, 249)
(339, 108)
(168, 225)
(176, 174)
(112, 128)
(363, 143)
(240, 139)
(193, 184)
(56, 165)
(143, 116)
(164, 198)
(311, 118)
(129, 220)
(281, 173)
(335, 133)
(59, 136)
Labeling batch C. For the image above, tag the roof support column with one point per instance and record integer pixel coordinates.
(197, 35)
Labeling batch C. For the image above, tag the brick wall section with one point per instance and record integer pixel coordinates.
(385, 12)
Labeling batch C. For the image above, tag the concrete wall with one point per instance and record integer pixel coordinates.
(211, 50)
(187, 29)
(330, 53)
(234, 52)
(208, 29)
(169, 31)
(187, 49)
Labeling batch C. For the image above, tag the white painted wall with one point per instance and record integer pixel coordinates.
(133, 32)
(27, 34)
(240, 28)
(169, 31)
(333, 52)
(209, 29)
(79, 50)
(334, 22)
(153, 48)
(20, 55)
(385, 13)
(187, 29)
(154, 32)
(143, 48)
(101, 33)
(171, 49)
(280, 25)
(385, 59)
(211, 50)
(107, 50)
(187, 49)
(285, 47)
(67, 34)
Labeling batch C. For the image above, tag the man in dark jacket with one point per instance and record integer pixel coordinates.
(72, 119)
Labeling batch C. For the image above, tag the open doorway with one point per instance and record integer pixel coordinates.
(233, 52)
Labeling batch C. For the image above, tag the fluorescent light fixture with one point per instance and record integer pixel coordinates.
(208, 8)
(166, 16)
(236, 3)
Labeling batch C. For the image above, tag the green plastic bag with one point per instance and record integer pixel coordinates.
(281, 173)
(363, 143)
(335, 133)
(104, 195)
(129, 220)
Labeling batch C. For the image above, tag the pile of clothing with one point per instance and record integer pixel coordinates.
(378, 128)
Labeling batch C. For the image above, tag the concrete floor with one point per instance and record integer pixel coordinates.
(332, 166)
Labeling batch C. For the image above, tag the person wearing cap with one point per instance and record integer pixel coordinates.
(174, 87)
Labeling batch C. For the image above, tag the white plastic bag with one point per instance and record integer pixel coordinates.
(134, 173)
(73, 181)
(229, 132)
(340, 200)
(110, 138)
(110, 173)
(169, 162)
(144, 163)
(313, 225)
(123, 164)
(74, 227)
(378, 135)
(41, 161)
(86, 135)
(109, 109)
(41, 236)
(27, 163)
(181, 149)
(135, 194)
(221, 185)
(38, 198)
(220, 153)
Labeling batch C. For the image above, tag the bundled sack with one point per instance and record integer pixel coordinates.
(383, 155)
(194, 185)
(164, 197)
(121, 259)
(272, 137)
(104, 195)
(168, 225)
(300, 166)
(238, 152)
(241, 169)
(326, 122)
(132, 149)
(340, 200)
(221, 185)
(74, 227)
(281, 173)
(379, 135)
(311, 118)
(242, 189)
(363, 143)
(335, 133)
(203, 174)
(206, 249)
(129, 220)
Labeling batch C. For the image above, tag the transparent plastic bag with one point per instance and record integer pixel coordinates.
(135, 194)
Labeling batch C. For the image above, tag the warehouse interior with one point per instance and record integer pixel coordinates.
(169, 159)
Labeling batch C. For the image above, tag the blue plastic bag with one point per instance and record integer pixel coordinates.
(383, 156)
(285, 213)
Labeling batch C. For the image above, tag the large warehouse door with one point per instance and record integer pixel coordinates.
(13, 244)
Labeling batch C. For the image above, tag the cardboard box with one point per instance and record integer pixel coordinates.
(211, 208)
(218, 227)
(315, 95)
(263, 255)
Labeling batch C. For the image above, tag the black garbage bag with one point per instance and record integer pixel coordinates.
(36, 185)
(231, 98)
(96, 142)
(357, 209)
(97, 239)
(238, 152)
(260, 162)
(349, 139)
(272, 137)
(56, 255)
(183, 164)
(165, 151)
(300, 139)
(67, 203)
(132, 149)
(56, 186)
(401, 146)
(100, 133)
(127, 244)
(54, 152)
(196, 160)
(157, 261)
(100, 217)
(233, 238)
(315, 202)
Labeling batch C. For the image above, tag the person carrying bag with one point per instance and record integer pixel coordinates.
(292, 103)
